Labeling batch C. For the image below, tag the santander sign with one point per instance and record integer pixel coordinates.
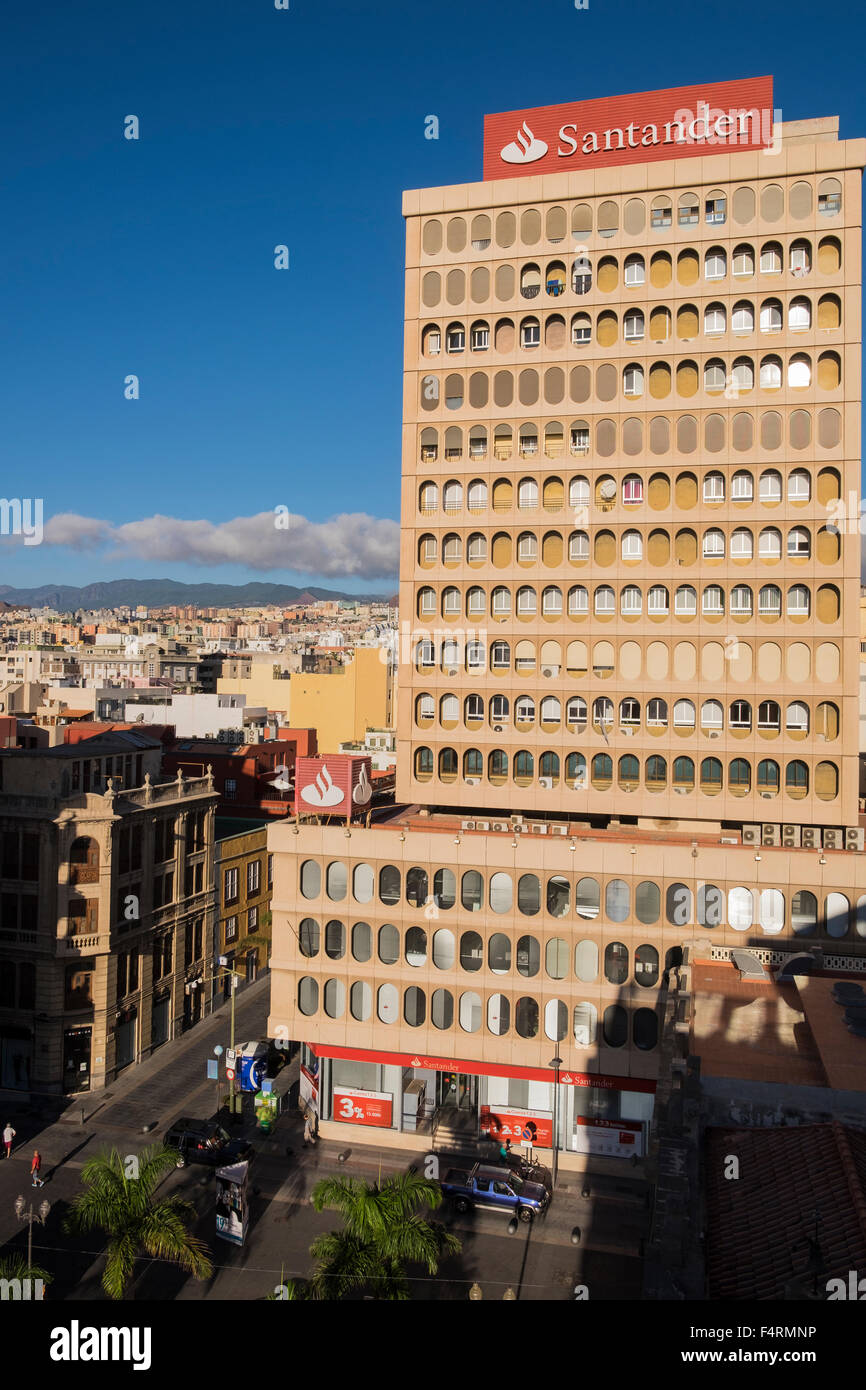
(670, 124)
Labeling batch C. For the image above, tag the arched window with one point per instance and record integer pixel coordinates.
(646, 966)
(442, 1009)
(555, 1020)
(617, 900)
(499, 954)
(308, 937)
(771, 316)
(387, 1004)
(389, 944)
(311, 878)
(635, 270)
(526, 1017)
(528, 956)
(501, 892)
(416, 947)
(645, 1029)
(558, 896)
(472, 891)
(470, 1012)
(615, 1025)
(335, 940)
(443, 949)
(471, 951)
(585, 1025)
(678, 905)
(616, 963)
(362, 942)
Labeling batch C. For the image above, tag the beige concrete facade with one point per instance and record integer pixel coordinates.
(686, 460)
(527, 899)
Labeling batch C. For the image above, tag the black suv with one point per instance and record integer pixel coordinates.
(205, 1141)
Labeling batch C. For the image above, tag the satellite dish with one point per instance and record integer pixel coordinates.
(607, 489)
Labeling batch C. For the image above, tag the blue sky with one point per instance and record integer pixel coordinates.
(258, 127)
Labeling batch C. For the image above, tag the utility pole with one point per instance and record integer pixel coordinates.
(223, 962)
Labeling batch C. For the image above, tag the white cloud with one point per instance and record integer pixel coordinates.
(351, 544)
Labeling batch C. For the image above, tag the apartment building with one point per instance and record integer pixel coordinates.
(243, 886)
(629, 647)
(106, 912)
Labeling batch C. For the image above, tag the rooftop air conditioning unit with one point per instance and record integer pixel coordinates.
(628, 732)
(453, 671)
(546, 782)
(559, 830)
(472, 782)
(516, 818)
(714, 733)
(768, 796)
(467, 825)
(550, 671)
(539, 829)
(482, 825)
(681, 791)
(499, 825)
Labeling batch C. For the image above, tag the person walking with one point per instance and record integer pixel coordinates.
(35, 1167)
(8, 1136)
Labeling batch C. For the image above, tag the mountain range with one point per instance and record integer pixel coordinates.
(163, 593)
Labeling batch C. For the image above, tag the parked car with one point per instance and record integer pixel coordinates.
(205, 1141)
(499, 1188)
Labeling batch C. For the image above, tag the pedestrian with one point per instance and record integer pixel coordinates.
(505, 1150)
(35, 1167)
(8, 1136)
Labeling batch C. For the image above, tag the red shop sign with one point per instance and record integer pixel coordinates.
(355, 1107)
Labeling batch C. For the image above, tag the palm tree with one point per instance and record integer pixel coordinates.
(384, 1231)
(16, 1267)
(136, 1224)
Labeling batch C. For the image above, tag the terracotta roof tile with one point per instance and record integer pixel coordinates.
(759, 1225)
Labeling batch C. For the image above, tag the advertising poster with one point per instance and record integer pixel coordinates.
(528, 1127)
(616, 1138)
(355, 1107)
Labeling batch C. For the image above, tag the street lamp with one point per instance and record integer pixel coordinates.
(29, 1215)
(223, 962)
(556, 1063)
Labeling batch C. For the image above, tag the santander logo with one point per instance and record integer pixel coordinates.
(323, 793)
(525, 149)
(364, 790)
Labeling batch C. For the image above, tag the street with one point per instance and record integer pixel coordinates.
(539, 1261)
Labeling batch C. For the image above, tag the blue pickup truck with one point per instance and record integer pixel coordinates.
(484, 1185)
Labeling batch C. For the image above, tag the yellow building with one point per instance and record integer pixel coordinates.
(343, 706)
(259, 676)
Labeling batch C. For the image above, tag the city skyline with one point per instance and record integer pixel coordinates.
(179, 229)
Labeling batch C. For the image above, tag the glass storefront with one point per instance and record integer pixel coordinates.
(417, 1100)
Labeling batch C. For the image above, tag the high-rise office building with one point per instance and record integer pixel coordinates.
(629, 592)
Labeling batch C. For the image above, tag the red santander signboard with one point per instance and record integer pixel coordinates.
(644, 126)
(335, 785)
